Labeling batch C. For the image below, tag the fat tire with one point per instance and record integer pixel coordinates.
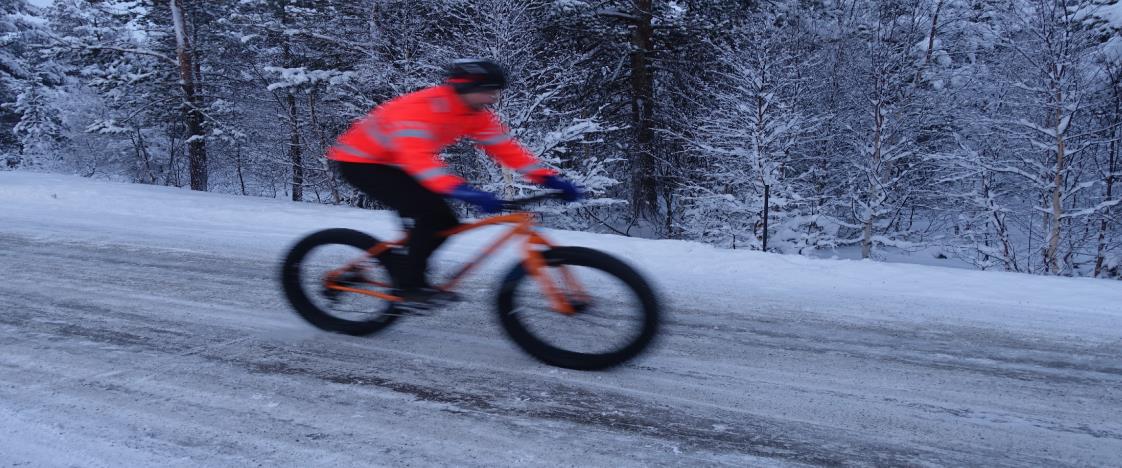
(298, 297)
(549, 354)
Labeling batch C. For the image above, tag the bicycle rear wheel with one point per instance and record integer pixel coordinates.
(311, 271)
(617, 313)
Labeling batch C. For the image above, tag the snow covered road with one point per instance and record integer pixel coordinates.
(144, 326)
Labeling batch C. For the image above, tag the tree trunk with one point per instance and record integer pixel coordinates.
(196, 140)
(146, 175)
(930, 43)
(328, 167)
(238, 162)
(668, 202)
(867, 238)
(1112, 167)
(644, 195)
(1051, 254)
(874, 174)
(1008, 253)
(174, 177)
(295, 155)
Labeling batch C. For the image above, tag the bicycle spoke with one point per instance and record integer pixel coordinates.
(367, 274)
(611, 320)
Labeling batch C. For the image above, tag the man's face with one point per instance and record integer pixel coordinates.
(480, 100)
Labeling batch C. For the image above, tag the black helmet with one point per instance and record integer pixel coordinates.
(471, 75)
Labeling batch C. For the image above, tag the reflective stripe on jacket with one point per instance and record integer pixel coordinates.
(409, 132)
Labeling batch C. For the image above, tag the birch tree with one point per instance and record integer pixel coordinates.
(752, 142)
(884, 167)
(1049, 86)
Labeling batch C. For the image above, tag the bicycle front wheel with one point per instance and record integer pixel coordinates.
(616, 312)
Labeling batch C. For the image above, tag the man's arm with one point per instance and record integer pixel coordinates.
(495, 139)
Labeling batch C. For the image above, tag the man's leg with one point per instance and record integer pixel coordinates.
(400, 191)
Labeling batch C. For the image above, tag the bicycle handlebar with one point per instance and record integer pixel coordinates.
(518, 203)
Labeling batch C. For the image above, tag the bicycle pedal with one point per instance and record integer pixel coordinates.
(412, 308)
(446, 297)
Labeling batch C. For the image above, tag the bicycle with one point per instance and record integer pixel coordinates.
(366, 271)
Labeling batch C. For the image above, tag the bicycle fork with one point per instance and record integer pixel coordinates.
(560, 299)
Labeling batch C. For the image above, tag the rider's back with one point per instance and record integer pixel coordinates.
(434, 113)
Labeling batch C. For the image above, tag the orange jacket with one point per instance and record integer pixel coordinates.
(409, 131)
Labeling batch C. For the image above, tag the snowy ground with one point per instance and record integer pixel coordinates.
(143, 326)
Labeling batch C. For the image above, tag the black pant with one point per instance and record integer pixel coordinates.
(400, 191)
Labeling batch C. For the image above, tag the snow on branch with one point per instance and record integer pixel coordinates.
(1092, 210)
(299, 76)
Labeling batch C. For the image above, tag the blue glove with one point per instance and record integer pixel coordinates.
(569, 191)
(483, 201)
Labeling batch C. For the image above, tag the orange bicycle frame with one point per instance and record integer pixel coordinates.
(533, 260)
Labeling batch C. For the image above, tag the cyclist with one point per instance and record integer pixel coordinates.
(392, 156)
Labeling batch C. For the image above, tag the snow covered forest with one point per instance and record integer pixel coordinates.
(989, 130)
